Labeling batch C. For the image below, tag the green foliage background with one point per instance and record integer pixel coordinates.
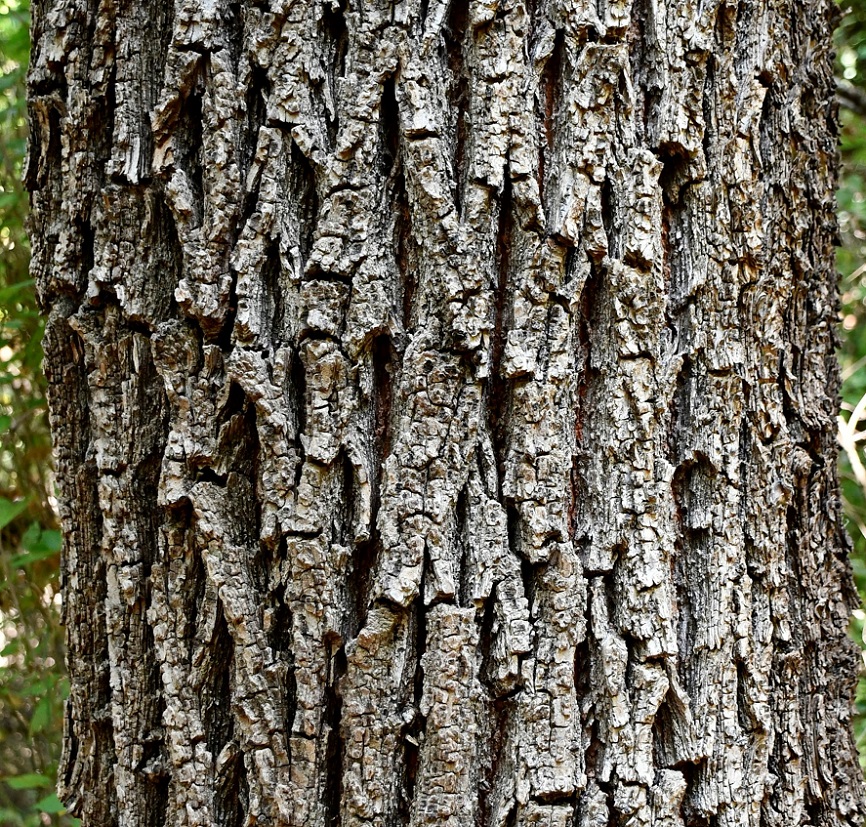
(851, 69)
(32, 681)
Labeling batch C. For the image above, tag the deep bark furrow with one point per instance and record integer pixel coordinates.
(443, 397)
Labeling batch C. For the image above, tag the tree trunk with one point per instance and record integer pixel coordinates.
(444, 403)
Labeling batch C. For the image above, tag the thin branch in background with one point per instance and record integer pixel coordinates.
(848, 372)
(851, 97)
(849, 445)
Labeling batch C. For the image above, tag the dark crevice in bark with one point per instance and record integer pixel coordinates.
(159, 780)
(583, 663)
(767, 123)
(106, 136)
(590, 717)
(708, 98)
(160, 18)
(578, 491)
(486, 641)
(334, 751)
(645, 57)
(512, 516)
(688, 554)
(530, 574)
(232, 29)
(511, 816)
(744, 452)
(796, 581)
(457, 92)
(581, 406)
(669, 724)
(167, 258)
(335, 40)
(216, 695)
(257, 95)
(745, 714)
(190, 134)
(536, 17)
(235, 404)
(365, 554)
(405, 250)
(50, 162)
(384, 359)
(680, 416)
(583, 674)
(87, 240)
(278, 627)
(609, 216)
(411, 758)
(790, 406)
(413, 729)
(551, 85)
(169, 238)
(222, 336)
(179, 541)
(389, 127)
(304, 200)
(230, 793)
(272, 279)
(247, 464)
(691, 816)
(499, 388)
(145, 490)
(589, 378)
(243, 797)
(556, 798)
(298, 396)
(499, 713)
(84, 600)
(460, 544)
(204, 473)
(674, 174)
(672, 304)
(97, 806)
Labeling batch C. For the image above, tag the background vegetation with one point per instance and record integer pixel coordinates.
(851, 70)
(32, 682)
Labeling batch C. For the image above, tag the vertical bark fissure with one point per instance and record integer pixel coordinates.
(498, 386)
(458, 92)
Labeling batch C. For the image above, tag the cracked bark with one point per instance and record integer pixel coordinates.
(443, 398)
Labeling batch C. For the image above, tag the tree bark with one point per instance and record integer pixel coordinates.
(443, 397)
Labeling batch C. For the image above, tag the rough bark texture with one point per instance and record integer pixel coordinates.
(444, 397)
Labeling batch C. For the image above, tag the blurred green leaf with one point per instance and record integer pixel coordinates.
(51, 804)
(10, 817)
(38, 539)
(29, 781)
(9, 510)
(11, 648)
(41, 716)
(13, 290)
